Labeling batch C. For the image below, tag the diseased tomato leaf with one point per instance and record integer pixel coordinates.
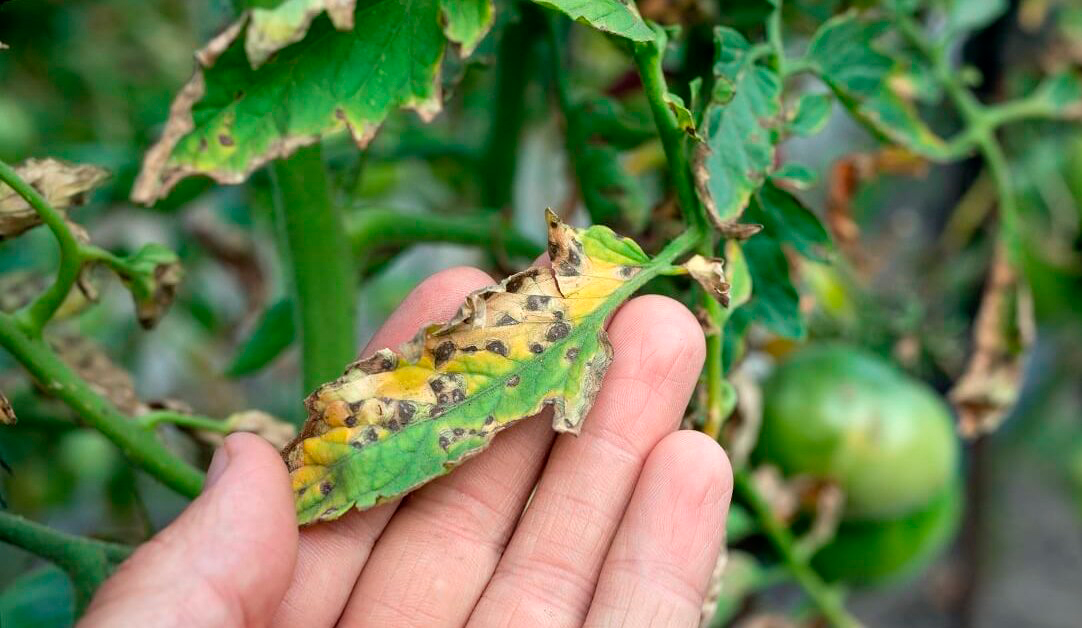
(63, 185)
(742, 129)
(232, 117)
(398, 419)
(7, 413)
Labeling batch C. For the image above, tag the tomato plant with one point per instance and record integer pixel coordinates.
(873, 207)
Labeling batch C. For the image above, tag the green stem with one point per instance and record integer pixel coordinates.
(153, 419)
(321, 264)
(58, 380)
(717, 391)
(648, 57)
(774, 36)
(88, 562)
(36, 314)
(374, 227)
(825, 599)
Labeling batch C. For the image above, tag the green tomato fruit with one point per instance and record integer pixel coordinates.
(847, 416)
(865, 553)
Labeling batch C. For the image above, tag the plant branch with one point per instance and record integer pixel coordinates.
(774, 36)
(88, 562)
(648, 57)
(57, 378)
(151, 420)
(827, 600)
(317, 253)
(33, 317)
(376, 227)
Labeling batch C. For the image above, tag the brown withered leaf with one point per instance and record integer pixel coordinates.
(7, 413)
(275, 431)
(710, 273)
(989, 388)
(62, 184)
(93, 365)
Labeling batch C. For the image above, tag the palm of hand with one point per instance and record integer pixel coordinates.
(619, 526)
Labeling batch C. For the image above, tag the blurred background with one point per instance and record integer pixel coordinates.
(91, 82)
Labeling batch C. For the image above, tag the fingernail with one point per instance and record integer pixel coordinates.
(217, 466)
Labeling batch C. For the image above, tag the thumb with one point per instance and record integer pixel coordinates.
(228, 558)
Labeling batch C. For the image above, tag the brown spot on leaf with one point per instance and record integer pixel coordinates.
(326, 488)
(443, 352)
(457, 395)
(572, 354)
(513, 381)
(497, 347)
(506, 320)
(536, 348)
(557, 331)
(225, 139)
(406, 410)
(445, 442)
(458, 431)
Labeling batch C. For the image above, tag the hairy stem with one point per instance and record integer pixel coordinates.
(57, 378)
(648, 57)
(88, 562)
(825, 599)
(320, 262)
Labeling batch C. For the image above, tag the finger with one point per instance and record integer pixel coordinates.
(226, 560)
(548, 572)
(659, 566)
(332, 554)
(437, 554)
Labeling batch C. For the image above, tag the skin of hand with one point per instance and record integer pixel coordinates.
(620, 526)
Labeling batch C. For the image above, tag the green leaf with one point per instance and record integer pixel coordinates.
(795, 175)
(272, 335)
(41, 598)
(736, 269)
(400, 418)
(684, 119)
(811, 114)
(618, 17)
(972, 15)
(230, 119)
(610, 193)
(787, 220)
(1061, 94)
(775, 303)
(468, 21)
(844, 56)
(741, 132)
(152, 276)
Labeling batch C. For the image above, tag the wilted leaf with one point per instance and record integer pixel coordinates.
(684, 119)
(7, 413)
(844, 56)
(618, 17)
(398, 419)
(271, 29)
(710, 273)
(152, 276)
(741, 133)
(272, 429)
(63, 185)
(230, 119)
(989, 388)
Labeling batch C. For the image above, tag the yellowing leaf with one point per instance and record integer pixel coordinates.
(62, 184)
(400, 418)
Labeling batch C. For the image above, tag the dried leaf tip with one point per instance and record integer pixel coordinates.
(7, 413)
(709, 272)
(62, 184)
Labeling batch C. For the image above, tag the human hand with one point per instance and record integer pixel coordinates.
(623, 528)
